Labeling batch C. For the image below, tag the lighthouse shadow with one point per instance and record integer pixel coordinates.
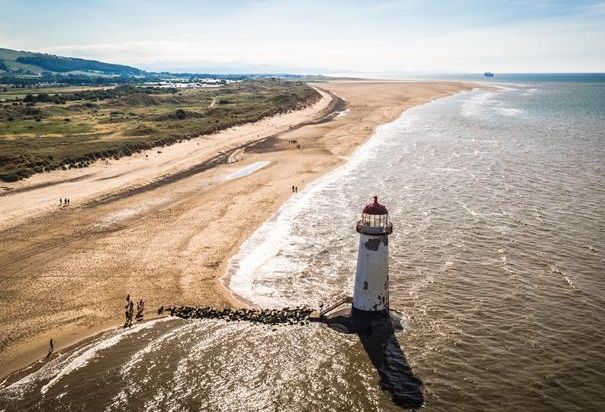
(387, 357)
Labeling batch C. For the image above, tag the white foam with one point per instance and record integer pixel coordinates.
(508, 111)
(63, 365)
(530, 92)
(120, 400)
(474, 105)
(484, 102)
(180, 385)
(267, 241)
(151, 347)
(81, 358)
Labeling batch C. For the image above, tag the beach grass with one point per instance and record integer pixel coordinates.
(40, 135)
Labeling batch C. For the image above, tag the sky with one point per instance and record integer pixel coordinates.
(316, 36)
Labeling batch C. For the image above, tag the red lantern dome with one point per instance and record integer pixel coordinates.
(375, 208)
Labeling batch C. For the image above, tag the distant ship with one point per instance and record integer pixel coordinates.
(488, 74)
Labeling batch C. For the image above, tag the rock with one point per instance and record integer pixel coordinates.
(291, 316)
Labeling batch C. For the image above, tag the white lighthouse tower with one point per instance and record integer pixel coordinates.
(371, 293)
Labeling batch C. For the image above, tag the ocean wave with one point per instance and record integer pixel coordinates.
(64, 365)
(475, 104)
(266, 243)
(82, 357)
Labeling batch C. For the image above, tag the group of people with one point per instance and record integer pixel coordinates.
(129, 311)
(294, 189)
(295, 142)
(64, 202)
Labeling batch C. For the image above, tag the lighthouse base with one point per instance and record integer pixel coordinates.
(351, 320)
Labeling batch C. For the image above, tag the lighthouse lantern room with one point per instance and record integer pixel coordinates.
(371, 293)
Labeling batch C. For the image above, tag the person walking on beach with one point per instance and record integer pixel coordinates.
(128, 312)
(140, 309)
(51, 348)
(60, 202)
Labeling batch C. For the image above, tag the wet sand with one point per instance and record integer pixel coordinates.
(162, 225)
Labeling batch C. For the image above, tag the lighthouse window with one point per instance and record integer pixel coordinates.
(375, 220)
(365, 285)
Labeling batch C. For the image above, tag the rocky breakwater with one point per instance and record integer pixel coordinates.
(291, 316)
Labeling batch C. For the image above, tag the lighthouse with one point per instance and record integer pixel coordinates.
(369, 306)
(368, 313)
(371, 292)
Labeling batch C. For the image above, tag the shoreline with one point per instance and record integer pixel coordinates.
(35, 365)
(228, 275)
(253, 198)
(65, 340)
(149, 168)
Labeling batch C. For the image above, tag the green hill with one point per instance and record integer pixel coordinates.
(23, 62)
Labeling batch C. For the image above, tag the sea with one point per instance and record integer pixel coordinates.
(497, 197)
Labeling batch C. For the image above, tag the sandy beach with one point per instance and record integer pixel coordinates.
(161, 225)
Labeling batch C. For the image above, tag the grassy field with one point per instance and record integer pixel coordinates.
(10, 94)
(43, 136)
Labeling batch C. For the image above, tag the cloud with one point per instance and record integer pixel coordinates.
(595, 9)
(127, 52)
(340, 35)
